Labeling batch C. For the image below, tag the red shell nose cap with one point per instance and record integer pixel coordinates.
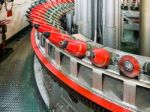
(36, 26)
(28, 12)
(33, 6)
(29, 22)
(46, 34)
(63, 44)
(90, 54)
(30, 8)
(27, 15)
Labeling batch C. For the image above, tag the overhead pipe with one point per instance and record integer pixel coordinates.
(145, 28)
(109, 33)
(83, 17)
(95, 19)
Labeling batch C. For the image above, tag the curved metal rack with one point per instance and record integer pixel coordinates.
(105, 87)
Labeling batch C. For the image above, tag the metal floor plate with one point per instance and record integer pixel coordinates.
(18, 90)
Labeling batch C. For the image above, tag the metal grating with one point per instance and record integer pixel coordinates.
(18, 91)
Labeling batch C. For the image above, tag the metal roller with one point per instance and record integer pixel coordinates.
(146, 68)
(129, 66)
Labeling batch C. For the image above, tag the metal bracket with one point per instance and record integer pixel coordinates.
(129, 94)
(97, 80)
(57, 57)
(74, 67)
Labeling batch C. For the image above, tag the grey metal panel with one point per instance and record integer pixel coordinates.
(76, 12)
(109, 37)
(83, 17)
(69, 17)
(111, 23)
(88, 16)
(110, 13)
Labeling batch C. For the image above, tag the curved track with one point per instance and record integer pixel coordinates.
(45, 17)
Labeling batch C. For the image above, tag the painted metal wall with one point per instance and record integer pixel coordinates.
(18, 20)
